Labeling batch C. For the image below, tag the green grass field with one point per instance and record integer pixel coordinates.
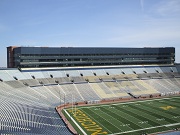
(129, 118)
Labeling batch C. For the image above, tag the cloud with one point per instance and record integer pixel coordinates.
(167, 7)
(160, 33)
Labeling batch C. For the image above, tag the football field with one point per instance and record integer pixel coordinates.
(129, 118)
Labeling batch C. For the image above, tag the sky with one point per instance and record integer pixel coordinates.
(89, 23)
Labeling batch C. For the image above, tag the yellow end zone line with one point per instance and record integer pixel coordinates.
(145, 129)
(99, 105)
(75, 123)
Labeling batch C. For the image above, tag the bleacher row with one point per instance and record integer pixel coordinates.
(28, 98)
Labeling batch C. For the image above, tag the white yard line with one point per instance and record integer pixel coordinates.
(124, 103)
(172, 124)
(153, 117)
(168, 125)
(130, 120)
(84, 133)
(101, 125)
(97, 121)
(157, 112)
(145, 129)
(109, 121)
(143, 101)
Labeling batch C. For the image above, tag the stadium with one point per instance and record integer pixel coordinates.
(90, 91)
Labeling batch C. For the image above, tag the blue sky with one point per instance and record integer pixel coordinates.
(91, 23)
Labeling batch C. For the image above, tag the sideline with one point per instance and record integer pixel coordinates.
(128, 102)
(75, 122)
(168, 125)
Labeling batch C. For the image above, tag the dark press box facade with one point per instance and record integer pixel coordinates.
(27, 57)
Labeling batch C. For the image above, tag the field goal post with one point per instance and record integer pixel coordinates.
(73, 106)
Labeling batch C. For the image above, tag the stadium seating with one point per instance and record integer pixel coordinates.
(28, 98)
(87, 92)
